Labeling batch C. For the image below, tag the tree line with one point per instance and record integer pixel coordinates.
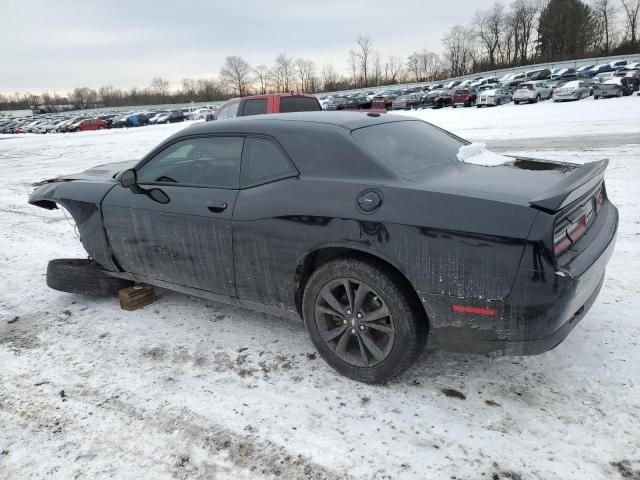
(520, 33)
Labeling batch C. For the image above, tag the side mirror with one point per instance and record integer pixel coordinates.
(128, 178)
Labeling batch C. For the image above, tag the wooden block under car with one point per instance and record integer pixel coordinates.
(135, 297)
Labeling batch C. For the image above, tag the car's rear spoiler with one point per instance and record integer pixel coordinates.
(574, 186)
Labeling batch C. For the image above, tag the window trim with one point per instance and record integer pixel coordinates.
(154, 153)
(293, 174)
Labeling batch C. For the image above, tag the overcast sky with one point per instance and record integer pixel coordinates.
(57, 45)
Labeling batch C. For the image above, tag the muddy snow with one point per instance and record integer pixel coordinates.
(187, 388)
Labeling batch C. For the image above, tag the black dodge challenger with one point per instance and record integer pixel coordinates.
(365, 225)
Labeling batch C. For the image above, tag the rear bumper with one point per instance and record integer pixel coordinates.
(544, 306)
(534, 346)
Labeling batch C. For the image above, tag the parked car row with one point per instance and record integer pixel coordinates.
(561, 84)
(78, 122)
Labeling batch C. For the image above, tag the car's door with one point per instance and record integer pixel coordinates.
(187, 240)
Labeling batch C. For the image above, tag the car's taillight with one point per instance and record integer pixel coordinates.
(573, 227)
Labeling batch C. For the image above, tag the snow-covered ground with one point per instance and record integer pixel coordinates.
(186, 388)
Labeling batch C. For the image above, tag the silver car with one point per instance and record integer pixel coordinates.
(493, 98)
(574, 90)
(529, 92)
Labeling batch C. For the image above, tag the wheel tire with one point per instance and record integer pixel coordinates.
(478, 106)
(595, 97)
(405, 320)
(76, 275)
(538, 98)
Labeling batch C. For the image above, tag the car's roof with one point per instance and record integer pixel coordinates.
(265, 123)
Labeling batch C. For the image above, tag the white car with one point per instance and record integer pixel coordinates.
(603, 77)
(45, 127)
(574, 90)
(530, 92)
(200, 114)
(493, 98)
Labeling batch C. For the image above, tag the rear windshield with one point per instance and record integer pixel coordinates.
(408, 148)
(462, 92)
(299, 104)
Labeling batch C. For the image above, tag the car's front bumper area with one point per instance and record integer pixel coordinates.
(544, 305)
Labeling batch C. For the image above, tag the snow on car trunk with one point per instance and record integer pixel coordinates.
(477, 154)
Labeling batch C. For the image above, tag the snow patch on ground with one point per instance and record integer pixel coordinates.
(543, 119)
(477, 154)
(187, 388)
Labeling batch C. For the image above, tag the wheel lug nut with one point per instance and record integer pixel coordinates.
(348, 312)
(353, 330)
(344, 321)
(362, 327)
(359, 315)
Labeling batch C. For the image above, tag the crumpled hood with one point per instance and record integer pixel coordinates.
(100, 173)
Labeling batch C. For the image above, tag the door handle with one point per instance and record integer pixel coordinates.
(217, 207)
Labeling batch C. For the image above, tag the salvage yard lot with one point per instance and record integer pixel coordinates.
(187, 388)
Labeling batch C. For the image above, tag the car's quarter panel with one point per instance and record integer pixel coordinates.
(181, 242)
(420, 233)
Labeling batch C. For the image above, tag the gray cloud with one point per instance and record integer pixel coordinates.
(58, 45)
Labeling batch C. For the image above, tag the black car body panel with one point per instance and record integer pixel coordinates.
(459, 234)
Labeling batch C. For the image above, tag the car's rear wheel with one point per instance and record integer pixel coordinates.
(362, 320)
(537, 98)
(84, 276)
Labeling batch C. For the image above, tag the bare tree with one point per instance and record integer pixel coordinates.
(488, 25)
(604, 19)
(305, 70)
(414, 65)
(329, 77)
(160, 86)
(261, 73)
(283, 72)
(363, 54)
(354, 69)
(523, 18)
(189, 87)
(393, 69)
(430, 64)
(376, 74)
(631, 13)
(236, 73)
(84, 97)
(459, 50)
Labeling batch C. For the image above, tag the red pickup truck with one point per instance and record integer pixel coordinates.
(268, 103)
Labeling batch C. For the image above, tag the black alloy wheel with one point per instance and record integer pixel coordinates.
(364, 319)
(354, 322)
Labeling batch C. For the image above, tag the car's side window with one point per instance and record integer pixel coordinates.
(223, 113)
(263, 161)
(233, 110)
(256, 106)
(205, 161)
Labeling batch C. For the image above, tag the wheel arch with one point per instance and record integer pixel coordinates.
(312, 259)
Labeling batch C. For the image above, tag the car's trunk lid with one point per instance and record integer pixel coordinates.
(542, 184)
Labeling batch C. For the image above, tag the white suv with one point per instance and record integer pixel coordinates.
(533, 91)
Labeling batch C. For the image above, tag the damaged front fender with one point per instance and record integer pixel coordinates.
(82, 200)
